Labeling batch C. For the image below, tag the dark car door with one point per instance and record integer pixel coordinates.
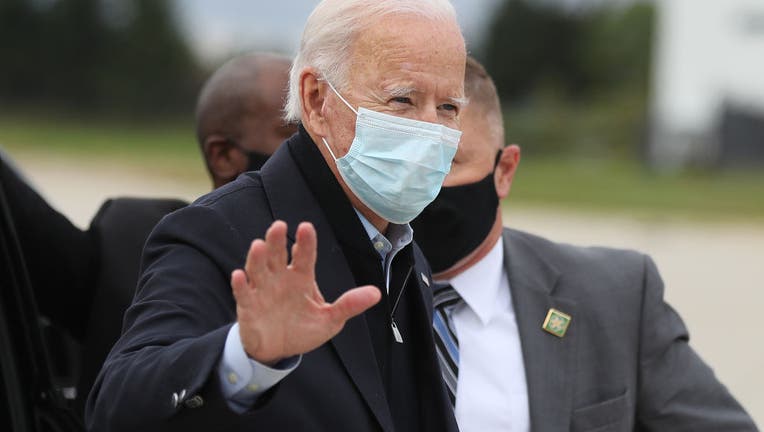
(29, 401)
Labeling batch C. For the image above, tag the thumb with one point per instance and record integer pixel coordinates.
(354, 302)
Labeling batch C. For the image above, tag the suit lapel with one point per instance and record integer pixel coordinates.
(549, 360)
(291, 201)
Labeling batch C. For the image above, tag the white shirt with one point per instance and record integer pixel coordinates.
(491, 394)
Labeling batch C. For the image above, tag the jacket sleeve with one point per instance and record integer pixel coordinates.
(161, 373)
(677, 390)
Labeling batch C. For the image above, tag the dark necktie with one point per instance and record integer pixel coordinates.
(445, 301)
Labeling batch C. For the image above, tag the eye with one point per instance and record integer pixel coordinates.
(401, 100)
(450, 111)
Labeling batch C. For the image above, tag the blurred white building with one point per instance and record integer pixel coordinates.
(708, 83)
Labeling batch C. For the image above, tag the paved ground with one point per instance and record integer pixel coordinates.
(714, 272)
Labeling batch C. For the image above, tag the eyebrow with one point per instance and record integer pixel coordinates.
(460, 101)
(400, 91)
(407, 91)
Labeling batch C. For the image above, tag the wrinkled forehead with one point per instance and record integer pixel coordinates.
(427, 52)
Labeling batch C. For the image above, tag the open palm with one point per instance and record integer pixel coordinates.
(279, 307)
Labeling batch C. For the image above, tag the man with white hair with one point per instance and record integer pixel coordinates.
(293, 298)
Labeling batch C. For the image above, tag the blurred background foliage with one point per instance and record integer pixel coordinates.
(106, 78)
(572, 81)
(95, 57)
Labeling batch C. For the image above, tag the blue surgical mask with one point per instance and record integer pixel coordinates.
(395, 165)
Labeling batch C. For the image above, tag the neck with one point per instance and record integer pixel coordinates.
(373, 218)
(478, 254)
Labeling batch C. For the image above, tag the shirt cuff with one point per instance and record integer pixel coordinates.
(243, 379)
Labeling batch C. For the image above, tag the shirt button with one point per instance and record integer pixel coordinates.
(378, 245)
(194, 402)
(253, 387)
(233, 378)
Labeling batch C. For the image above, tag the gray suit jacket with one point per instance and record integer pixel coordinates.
(624, 363)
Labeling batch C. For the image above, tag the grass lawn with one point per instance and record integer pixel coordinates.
(586, 184)
(627, 186)
(167, 148)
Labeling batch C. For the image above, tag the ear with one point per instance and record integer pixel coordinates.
(505, 171)
(313, 96)
(224, 160)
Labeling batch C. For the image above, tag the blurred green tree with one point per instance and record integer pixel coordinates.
(530, 43)
(150, 66)
(573, 80)
(617, 48)
(18, 50)
(71, 50)
(123, 57)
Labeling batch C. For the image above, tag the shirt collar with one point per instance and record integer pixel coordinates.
(479, 285)
(398, 236)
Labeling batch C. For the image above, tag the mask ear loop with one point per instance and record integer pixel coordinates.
(340, 96)
(329, 148)
(346, 103)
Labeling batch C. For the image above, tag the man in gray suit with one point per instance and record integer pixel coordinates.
(535, 335)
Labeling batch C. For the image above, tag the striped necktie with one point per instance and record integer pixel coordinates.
(445, 301)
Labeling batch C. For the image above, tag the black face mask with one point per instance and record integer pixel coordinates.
(456, 222)
(256, 160)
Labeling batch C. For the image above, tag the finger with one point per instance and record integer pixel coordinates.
(304, 249)
(354, 302)
(240, 287)
(275, 238)
(256, 264)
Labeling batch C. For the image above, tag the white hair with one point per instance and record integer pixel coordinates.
(330, 31)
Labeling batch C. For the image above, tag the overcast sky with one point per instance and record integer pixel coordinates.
(218, 29)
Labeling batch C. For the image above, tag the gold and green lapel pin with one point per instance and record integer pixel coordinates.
(556, 322)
